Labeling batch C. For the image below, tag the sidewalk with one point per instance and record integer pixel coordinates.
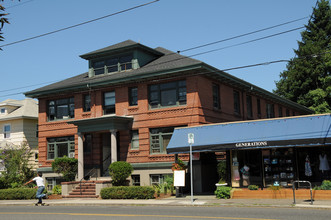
(181, 201)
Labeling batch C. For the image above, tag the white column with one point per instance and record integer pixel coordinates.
(113, 144)
(80, 157)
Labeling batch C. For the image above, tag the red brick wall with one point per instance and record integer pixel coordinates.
(198, 110)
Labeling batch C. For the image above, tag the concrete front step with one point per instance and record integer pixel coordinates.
(83, 190)
(80, 196)
(78, 193)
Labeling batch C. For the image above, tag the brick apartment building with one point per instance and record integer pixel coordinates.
(128, 103)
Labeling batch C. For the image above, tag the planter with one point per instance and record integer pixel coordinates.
(281, 194)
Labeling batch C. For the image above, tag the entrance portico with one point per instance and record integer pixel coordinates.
(111, 123)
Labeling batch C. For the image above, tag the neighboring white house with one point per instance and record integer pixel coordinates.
(19, 124)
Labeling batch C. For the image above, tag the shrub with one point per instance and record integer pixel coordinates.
(221, 170)
(223, 192)
(18, 170)
(57, 190)
(253, 187)
(68, 167)
(18, 193)
(127, 192)
(119, 171)
(326, 185)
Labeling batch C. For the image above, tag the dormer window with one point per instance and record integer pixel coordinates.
(113, 64)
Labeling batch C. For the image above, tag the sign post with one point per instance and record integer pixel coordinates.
(191, 141)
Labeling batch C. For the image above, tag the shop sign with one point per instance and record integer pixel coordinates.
(252, 144)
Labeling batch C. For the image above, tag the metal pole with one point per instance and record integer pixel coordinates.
(294, 192)
(191, 173)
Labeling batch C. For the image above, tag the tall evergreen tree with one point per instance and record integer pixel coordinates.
(307, 79)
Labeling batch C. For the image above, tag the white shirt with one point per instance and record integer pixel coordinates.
(39, 181)
(324, 165)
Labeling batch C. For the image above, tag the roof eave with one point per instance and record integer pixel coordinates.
(253, 88)
(143, 76)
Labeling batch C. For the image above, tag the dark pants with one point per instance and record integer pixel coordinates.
(40, 194)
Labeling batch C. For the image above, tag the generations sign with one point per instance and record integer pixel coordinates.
(252, 144)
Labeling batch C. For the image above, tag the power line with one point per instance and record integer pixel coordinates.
(246, 42)
(186, 57)
(7, 90)
(205, 72)
(19, 4)
(80, 24)
(242, 35)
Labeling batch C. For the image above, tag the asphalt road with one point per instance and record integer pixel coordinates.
(158, 212)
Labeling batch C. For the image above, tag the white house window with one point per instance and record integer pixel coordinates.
(60, 147)
(167, 94)
(134, 139)
(2, 110)
(135, 180)
(159, 139)
(61, 109)
(156, 179)
(114, 64)
(109, 103)
(6, 130)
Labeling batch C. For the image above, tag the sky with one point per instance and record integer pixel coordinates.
(176, 25)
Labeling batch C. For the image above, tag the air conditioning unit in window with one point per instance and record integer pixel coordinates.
(71, 155)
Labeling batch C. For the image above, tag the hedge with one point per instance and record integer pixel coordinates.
(128, 192)
(18, 194)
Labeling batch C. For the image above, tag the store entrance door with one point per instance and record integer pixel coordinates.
(250, 167)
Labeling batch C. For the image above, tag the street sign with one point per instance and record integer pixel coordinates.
(190, 138)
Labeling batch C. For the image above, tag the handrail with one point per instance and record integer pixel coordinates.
(311, 191)
(93, 169)
(80, 182)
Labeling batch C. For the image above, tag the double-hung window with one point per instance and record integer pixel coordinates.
(6, 131)
(280, 111)
(249, 106)
(167, 94)
(61, 109)
(60, 147)
(258, 102)
(133, 96)
(87, 103)
(236, 102)
(159, 139)
(156, 179)
(109, 103)
(134, 140)
(270, 109)
(216, 96)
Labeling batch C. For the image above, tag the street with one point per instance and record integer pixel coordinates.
(159, 212)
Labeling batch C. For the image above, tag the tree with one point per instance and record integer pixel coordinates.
(68, 167)
(17, 168)
(3, 20)
(119, 171)
(307, 79)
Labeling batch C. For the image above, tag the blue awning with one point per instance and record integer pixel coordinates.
(312, 130)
